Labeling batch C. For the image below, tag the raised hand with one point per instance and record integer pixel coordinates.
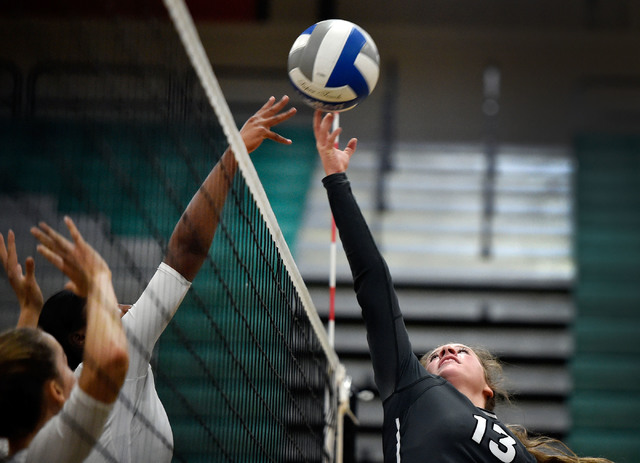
(24, 285)
(258, 127)
(333, 159)
(106, 356)
(77, 259)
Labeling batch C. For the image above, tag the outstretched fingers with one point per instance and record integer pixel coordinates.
(281, 117)
(50, 238)
(9, 258)
(276, 107)
(325, 137)
(333, 137)
(271, 135)
(55, 259)
(5, 251)
(77, 259)
(320, 127)
(258, 127)
(30, 268)
(270, 111)
(53, 246)
(268, 104)
(275, 117)
(24, 285)
(333, 159)
(73, 231)
(351, 147)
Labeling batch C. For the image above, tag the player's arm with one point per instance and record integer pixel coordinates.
(191, 238)
(24, 285)
(386, 334)
(106, 356)
(193, 234)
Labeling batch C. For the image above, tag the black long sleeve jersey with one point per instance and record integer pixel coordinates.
(425, 418)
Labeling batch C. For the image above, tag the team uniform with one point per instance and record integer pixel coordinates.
(69, 436)
(138, 428)
(425, 417)
(135, 428)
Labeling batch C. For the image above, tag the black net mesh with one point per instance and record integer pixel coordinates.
(102, 118)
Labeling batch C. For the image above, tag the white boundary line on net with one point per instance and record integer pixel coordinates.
(187, 31)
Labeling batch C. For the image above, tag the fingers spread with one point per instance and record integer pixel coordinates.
(41, 236)
(351, 147)
(280, 104)
(30, 267)
(73, 231)
(283, 116)
(268, 104)
(51, 256)
(3, 251)
(333, 137)
(12, 253)
(278, 138)
(317, 122)
(51, 238)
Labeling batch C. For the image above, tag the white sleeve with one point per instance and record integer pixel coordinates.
(71, 434)
(150, 315)
(4, 448)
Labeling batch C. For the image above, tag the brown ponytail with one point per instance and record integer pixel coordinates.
(548, 450)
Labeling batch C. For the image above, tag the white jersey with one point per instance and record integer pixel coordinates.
(138, 428)
(69, 436)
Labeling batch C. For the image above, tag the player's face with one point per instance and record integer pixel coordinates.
(77, 338)
(459, 365)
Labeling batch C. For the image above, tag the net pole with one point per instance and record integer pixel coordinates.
(331, 328)
(343, 380)
(333, 437)
(332, 310)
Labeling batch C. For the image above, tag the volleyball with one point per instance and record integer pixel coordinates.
(334, 65)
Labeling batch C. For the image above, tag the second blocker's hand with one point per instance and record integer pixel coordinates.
(24, 285)
(333, 159)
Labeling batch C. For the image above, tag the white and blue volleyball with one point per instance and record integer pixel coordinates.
(334, 65)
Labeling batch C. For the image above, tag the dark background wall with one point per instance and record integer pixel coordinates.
(564, 65)
(560, 62)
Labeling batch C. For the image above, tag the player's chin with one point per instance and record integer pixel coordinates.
(451, 370)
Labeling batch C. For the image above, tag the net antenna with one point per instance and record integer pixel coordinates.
(344, 392)
(331, 325)
(183, 22)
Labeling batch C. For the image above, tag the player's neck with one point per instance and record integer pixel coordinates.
(476, 397)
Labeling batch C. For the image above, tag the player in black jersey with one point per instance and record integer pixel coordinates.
(434, 411)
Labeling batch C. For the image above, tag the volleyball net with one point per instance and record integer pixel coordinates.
(112, 114)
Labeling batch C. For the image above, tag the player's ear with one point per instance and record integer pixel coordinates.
(487, 392)
(54, 393)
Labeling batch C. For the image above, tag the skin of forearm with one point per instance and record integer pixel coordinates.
(28, 317)
(106, 356)
(190, 241)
